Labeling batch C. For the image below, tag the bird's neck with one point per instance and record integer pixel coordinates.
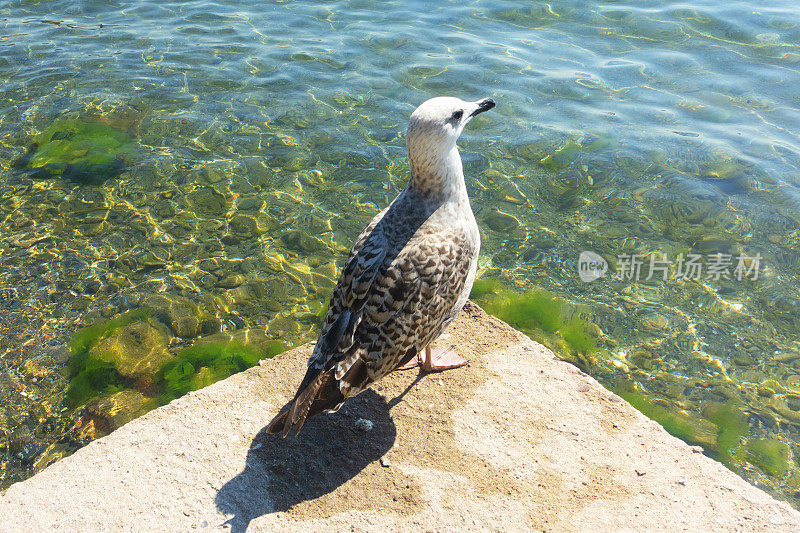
(439, 176)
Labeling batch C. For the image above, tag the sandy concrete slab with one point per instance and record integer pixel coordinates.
(516, 441)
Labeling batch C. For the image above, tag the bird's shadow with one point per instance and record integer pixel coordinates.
(331, 449)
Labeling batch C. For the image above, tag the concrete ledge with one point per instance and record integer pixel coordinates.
(516, 441)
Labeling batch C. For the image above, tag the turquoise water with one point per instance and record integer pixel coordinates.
(228, 153)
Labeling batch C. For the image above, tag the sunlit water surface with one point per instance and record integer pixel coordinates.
(252, 141)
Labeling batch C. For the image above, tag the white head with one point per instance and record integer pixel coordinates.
(433, 131)
(438, 122)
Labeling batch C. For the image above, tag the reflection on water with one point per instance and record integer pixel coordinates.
(207, 166)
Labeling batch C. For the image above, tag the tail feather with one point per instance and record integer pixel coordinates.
(320, 394)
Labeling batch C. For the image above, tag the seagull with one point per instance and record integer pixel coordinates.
(407, 277)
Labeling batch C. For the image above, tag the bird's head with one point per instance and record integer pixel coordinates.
(436, 124)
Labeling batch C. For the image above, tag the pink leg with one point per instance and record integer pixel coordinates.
(436, 360)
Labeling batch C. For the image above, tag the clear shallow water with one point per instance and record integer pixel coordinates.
(264, 136)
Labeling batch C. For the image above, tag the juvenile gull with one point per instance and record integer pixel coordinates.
(407, 277)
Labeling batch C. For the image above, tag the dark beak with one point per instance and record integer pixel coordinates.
(484, 105)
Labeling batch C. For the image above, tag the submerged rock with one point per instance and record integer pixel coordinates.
(78, 150)
(106, 414)
(251, 225)
(135, 349)
(207, 201)
(231, 281)
(182, 315)
(501, 222)
(301, 241)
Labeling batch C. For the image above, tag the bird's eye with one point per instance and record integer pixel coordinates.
(458, 114)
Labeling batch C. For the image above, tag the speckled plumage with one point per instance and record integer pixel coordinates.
(408, 275)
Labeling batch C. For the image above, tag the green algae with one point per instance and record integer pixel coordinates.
(571, 150)
(689, 429)
(732, 426)
(541, 314)
(95, 378)
(484, 287)
(102, 364)
(203, 364)
(91, 377)
(536, 309)
(722, 432)
(320, 309)
(88, 336)
(121, 367)
(770, 455)
(79, 150)
(562, 156)
(578, 339)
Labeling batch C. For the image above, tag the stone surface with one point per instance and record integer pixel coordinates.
(135, 349)
(111, 412)
(181, 314)
(517, 440)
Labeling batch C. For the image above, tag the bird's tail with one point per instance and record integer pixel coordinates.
(320, 394)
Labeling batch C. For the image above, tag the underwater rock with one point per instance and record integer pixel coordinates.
(135, 349)
(301, 241)
(321, 281)
(315, 224)
(16, 442)
(230, 240)
(501, 222)
(655, 322)
(207, 201)
(281, 325)
(39, 366)
(231, 281)
(258, 296)
(53, 453)
(78, 150)
(251, 225)
(691, 210)
(274, 262)
(108, 413)
(213, 175)
(509, 192)
(250, 204)
(182, 315)
(300, 273)
(324, 266)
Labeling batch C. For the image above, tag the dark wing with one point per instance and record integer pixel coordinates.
(351, 292)
(319, 389)
(409, 302)
(386, 307)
